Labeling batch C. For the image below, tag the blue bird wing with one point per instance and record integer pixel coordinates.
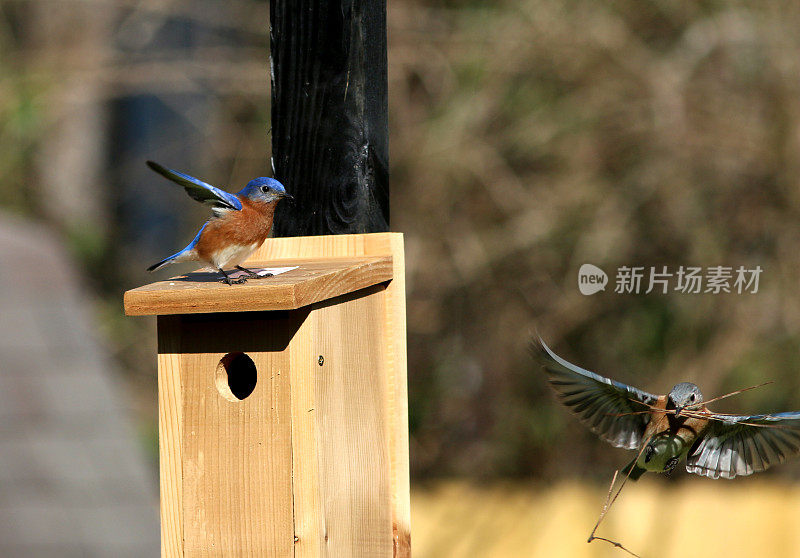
(220, 200)
(612, 410)
(739, 445)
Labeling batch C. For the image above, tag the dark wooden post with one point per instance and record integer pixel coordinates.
(329, 115)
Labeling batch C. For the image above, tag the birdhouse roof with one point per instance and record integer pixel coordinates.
(312, 280)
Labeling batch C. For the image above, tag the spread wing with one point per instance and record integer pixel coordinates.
(734, 445)
(600, 403)
(220, 200)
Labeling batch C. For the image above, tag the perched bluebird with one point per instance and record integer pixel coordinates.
(239, 225)
(671, 427)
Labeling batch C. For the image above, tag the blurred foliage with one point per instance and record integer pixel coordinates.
(531, 137)
(20, 128)
(527, 138)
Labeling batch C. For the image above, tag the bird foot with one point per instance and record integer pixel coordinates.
(228, 281)
(648, 453)
(252, 274)
(670, 465)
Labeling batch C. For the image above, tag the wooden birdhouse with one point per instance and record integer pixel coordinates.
(283, 425)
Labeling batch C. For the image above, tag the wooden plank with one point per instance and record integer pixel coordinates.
(352, 424)
(397, 400)
(314, 280)
(308, 517)
(170, 427)
(326, 246)
(237, 455)
(377, 244)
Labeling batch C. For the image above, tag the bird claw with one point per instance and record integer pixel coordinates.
(252, 274)
(228, 281)
(243, 279)
(670, 465)
(648, 453)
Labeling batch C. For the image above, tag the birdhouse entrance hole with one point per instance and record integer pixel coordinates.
(236, 376)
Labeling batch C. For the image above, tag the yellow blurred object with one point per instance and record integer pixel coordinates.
(747, 518)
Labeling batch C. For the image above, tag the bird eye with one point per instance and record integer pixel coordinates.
(692, 398)
(265, 189)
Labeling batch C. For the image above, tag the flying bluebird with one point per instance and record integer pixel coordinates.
(239, 225)
(671, 427)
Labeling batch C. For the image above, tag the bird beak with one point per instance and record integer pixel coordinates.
(678, 410)
(288, 197)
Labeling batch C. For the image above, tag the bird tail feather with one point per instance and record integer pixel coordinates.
(633, 471)
(185, 255)
(162, 263)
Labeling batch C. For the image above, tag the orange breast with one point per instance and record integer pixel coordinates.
(251, 225)
(686, 427)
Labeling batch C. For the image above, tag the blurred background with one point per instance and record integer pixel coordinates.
(526, 139)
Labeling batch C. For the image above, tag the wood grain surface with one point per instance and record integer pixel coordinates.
(330, 138)
(170, 434)
(376, 244)
(314, 280)
(313, 460)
